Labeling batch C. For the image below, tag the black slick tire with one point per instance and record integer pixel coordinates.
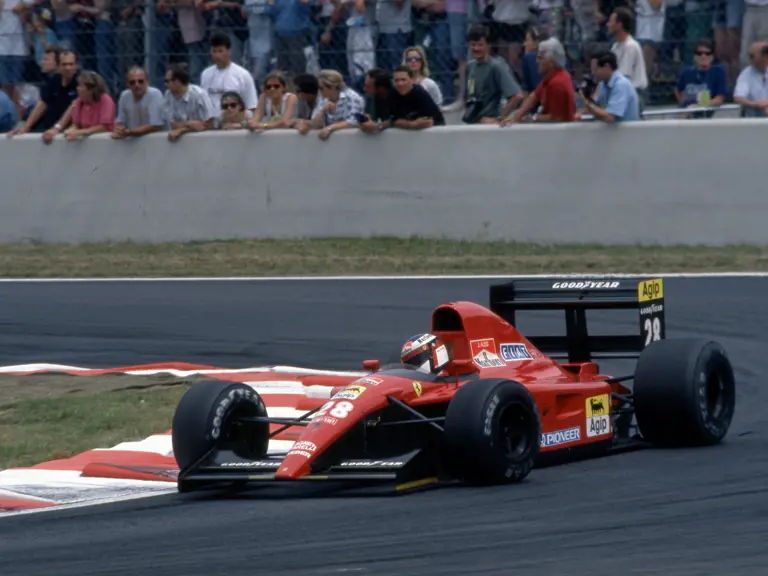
(684, 393)
(204, 420)
(492, 432)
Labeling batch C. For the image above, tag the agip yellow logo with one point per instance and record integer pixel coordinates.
(598, 418)
(598, 405)
(648, 290)
(349, 393)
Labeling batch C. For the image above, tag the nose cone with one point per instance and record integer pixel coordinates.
(297, 463)
(344, 411)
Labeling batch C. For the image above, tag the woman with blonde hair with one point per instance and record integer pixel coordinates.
(416, 59)
(276, 104)
(339, 108)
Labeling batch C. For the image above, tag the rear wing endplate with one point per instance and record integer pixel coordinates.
(575, 296)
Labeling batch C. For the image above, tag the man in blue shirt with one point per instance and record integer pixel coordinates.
(617, 99)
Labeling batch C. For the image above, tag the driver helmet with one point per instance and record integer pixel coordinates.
(425, 352)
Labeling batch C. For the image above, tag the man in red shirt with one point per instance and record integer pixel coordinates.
(555, 91)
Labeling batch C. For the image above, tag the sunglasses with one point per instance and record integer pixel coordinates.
(413, 59)
(703, 53)
(272, 86)
(228, 105)
(136, 82)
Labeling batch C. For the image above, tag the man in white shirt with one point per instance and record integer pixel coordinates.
(225, 75)
(628, 52)
(751, 90)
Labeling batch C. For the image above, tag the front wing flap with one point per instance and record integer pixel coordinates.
(412, 470)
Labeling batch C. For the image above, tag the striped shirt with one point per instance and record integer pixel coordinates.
(194, 105)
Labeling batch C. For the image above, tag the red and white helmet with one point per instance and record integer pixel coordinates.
(426, 352)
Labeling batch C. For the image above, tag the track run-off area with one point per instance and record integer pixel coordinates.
(682, 512)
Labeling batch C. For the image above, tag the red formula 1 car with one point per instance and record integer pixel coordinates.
(505, 404)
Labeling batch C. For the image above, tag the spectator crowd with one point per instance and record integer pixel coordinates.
(329, 65)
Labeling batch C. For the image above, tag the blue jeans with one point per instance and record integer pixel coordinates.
(389, 54)
(441, 64)
(198, 58)
(106, 49)
(162, 37)
(66, 30)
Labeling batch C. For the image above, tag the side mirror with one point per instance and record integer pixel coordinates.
(372, 365)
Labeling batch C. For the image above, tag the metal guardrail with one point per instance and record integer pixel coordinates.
(673, 111)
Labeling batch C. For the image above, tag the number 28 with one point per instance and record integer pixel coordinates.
(652, 327)
(341, 410)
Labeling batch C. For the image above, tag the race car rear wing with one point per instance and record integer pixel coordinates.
(575, 296)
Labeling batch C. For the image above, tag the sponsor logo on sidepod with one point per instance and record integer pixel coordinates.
(560, 437)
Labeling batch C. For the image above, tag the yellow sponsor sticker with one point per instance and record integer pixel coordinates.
(349, 393)
(648, 290)
(598, 412)
(598, 405)
(417, 388)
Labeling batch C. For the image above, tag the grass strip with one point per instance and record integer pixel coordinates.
(35, 430)
(374, 256)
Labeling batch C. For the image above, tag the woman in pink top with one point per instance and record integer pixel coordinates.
(93, 111)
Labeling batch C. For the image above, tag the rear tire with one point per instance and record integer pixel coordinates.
(204, 418)
(684, 393)
(492, 432)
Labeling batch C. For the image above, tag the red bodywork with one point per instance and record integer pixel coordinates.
(565, 393)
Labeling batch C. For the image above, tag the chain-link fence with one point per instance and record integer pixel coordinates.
(297, 36)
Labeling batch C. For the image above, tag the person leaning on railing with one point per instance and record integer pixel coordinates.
(92, 112)
(554, 93)
(617, 99)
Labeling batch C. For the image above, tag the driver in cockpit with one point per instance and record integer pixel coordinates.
(426, 353)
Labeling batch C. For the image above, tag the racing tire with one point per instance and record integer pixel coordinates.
(492, 432)
(684, 393)
(204, 417)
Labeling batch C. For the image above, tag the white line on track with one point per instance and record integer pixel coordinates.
(109, 500)
(376, 278)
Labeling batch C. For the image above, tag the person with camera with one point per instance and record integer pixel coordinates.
(555, 91)
(617, 99)
(489, 80)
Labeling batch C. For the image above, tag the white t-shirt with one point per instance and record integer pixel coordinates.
(511, 11)
(12, 39)
(629, 56)
(433, 90)
(234, 78)
(650, 23)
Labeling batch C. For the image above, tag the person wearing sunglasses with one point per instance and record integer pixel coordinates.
(416, 59)
(277, 106)
(704, 83)
(234, 115)
(141, 108)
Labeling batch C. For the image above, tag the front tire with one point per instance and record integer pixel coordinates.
(684, 393)
(492, 432)
(205, 417)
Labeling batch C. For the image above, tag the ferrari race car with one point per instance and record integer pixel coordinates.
(505, 403)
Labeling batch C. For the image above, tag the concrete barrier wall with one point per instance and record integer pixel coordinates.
(651, 182)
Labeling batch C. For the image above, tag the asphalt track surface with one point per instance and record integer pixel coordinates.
(681, 512)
